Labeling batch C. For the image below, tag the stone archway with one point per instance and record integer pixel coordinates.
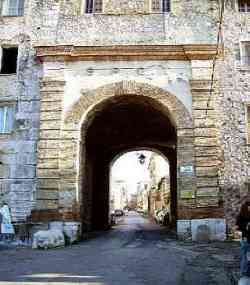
(85, 155)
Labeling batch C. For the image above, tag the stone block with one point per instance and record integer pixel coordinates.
(48, 153)
(184, 229)
(48, 144)
(72, 231)
(201, 151)
(187, 194)
(22, 171)
(244, 281)
(49, 134)
(43, 194)
(48, 239)
(205, 202)
(206, 161)
(48, 163)
(207, 171)
(46, 116)
(47, 173)
(47, 183)
(205, 132)
(50, 125)
(46, 204)
(51, 106)
(207, 182)
(208, 229)
(201, 141)
(207, 192)
(67, 198)
(4, 171)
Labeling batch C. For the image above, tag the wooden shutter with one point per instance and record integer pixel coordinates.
(6, 119)
(13, 8)
(156, 6)
(244, 5)
(20, 7)
(248, 124)
(98, 6)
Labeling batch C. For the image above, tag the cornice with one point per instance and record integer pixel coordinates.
(126, 52)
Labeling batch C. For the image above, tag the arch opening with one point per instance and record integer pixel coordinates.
(123, 123)
(140, 181)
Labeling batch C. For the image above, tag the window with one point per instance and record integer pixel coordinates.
(12, 7)
(244, 5)
(245, 53)
(9, 60)
(248, 123)
(158, 6)
(6, 119)
(93, 6)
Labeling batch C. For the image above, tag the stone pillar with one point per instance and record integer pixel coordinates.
(206, 144)
(48, 175)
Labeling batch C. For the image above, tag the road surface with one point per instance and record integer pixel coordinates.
(135, 252)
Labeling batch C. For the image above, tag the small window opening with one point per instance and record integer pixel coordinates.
(166, 6)
(159, 6)
(248, 124)
(244, 5)
(13, 8)
(93, 6)
(6, 119)
(9, 60)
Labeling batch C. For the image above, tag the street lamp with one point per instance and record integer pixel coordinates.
(141, 158)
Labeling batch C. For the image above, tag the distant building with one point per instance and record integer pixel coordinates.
(159, 185)
(133, 201)
(118, 195)
(143, 196)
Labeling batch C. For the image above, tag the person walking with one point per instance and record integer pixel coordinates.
(243, 225)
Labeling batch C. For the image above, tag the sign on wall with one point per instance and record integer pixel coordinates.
(187, 169)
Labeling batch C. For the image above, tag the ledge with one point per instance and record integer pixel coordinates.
(125, 52)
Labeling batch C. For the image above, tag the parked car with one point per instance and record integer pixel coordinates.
(119, 213)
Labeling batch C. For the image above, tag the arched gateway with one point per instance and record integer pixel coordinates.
(113, 119)
(86, 121)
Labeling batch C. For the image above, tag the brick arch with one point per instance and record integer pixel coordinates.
(91, 101)
(72, 154)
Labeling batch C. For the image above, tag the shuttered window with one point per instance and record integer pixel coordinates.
(93, 6)
(6, 119)
(158, 6)
(13, 8)
(247, 54)
(244, 5)
(248, 124)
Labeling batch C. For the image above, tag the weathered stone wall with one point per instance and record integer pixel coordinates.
(234, 83)
(220, 132)
(18, 149)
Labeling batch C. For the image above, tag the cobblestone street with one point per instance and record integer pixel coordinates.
(136, 252)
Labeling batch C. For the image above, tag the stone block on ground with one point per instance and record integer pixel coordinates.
(244, 281)
(208, 229)
(71, 231)
(48, 239)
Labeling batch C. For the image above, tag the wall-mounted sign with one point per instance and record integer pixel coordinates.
(187, 169)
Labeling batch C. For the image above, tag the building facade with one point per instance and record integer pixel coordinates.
(84, 81)
(118, 195)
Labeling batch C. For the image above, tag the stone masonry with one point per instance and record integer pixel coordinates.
(72, 67)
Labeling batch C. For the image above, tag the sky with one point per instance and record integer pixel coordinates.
(128, 168)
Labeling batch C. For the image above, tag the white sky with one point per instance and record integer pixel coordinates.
(128, 168)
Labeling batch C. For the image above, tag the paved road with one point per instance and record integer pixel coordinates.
(136, 252)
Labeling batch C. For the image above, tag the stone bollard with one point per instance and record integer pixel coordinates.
(244, 281)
